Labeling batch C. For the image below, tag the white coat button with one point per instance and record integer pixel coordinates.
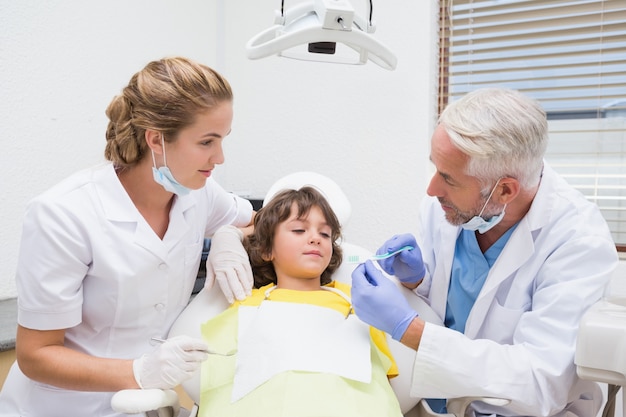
(159, 307)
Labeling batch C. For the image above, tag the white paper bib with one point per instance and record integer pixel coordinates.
(282, 336)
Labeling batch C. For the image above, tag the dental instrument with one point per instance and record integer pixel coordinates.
(357, 258)
(210, 352)
(319, 26)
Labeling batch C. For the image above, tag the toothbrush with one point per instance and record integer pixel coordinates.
(210, 352)
(357, 258)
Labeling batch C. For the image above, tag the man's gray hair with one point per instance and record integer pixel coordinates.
(504, 133)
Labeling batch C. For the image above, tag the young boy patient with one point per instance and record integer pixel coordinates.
(300, 350)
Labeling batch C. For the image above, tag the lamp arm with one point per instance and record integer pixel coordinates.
(288, 16)
(285, 17)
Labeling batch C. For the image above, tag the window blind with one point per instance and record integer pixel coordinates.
(569, 55)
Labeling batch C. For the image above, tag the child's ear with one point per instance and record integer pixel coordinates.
(267, 257)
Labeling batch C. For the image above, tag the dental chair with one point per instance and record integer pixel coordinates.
(211, 302)
(601, 344)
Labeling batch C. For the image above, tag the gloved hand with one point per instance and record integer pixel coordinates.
(378, 301)
(407, 265)
(170, 363)
(228, 263)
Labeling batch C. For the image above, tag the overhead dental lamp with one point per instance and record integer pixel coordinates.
(323, 31)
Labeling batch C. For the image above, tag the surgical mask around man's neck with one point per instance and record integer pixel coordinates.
(477, 223)
(164, 176)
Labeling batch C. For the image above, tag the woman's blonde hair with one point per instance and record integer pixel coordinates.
(166, 95)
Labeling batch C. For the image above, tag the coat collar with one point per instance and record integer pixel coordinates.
(119, 208)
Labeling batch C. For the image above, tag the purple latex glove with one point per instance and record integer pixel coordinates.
(379, 302)
(407, 265)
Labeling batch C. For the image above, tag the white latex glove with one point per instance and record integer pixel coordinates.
(228, 264)
(171, 363)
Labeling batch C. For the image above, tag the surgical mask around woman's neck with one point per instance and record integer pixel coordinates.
(477, 223)
(164, 176)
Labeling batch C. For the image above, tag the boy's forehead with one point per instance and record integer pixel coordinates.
(294, 214)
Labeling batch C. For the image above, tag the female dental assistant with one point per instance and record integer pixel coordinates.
(109, 256)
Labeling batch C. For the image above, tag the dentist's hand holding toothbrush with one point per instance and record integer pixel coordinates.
(376, 299)
(406, 264)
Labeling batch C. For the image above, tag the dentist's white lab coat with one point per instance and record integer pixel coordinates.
(520, 336)
(91, 264)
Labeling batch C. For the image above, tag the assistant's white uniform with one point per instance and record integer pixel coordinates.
(520, 336)
(91, 264)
